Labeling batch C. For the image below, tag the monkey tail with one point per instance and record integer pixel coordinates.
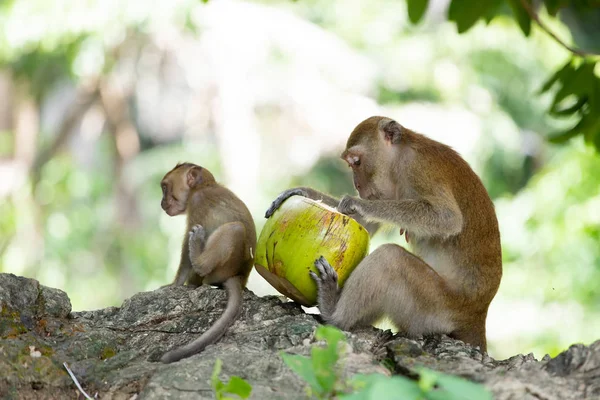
(233, 286)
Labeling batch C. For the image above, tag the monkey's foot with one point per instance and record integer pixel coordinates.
(196, 241)
(327, 284)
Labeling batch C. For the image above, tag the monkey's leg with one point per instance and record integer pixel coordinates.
(392, 282)
(185, 265)
(224, 243)
(472, 331)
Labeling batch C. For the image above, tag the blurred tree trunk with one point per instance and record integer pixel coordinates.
(126, 145)
(6, 103)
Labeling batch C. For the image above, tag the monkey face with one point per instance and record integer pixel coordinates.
(369, 183)
(174, 200)
(179, 182)
(175, 193)
(362, 171)
(370, 153)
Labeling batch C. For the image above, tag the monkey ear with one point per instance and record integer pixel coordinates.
(392, 132)
(194, 176)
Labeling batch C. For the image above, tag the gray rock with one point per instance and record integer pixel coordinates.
(113, 351)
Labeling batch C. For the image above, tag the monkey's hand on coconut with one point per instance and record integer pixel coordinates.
(196, 241)
(300, 191)
(328, 291)
(283, 197)
(349, 206)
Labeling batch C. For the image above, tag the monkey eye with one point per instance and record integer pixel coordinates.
(353, 161)
(163, 187)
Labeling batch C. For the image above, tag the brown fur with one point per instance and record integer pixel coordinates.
(218, 249)
(428, 190)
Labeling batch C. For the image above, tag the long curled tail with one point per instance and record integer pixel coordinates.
(234, 304)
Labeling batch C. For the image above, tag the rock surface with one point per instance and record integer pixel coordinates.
(112, 351)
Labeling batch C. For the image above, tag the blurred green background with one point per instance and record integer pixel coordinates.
(100, 98)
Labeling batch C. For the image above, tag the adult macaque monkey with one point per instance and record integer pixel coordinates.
(219, 247)
(425, 188)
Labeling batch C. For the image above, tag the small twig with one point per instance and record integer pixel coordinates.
(77, 382)
(533, 15)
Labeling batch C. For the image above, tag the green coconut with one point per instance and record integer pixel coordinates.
(297, 234)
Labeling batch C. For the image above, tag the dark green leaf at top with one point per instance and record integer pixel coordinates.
(521, 15)
(497, 7)
(416, 9)
(467, 12)
(552, 6)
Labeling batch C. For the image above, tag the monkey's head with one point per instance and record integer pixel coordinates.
(371, 151)
(179, 183)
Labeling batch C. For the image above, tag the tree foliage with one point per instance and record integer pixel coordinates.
(577, 93)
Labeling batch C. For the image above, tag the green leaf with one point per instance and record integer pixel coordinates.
(303, 367)
(594, 93)
(329, 333)
(381, 387)
(595, 110)
(238, 386)
(427, 380)
(416, 9)
(562, 137)
(324, 360)
(362, 395)
(590, 128)
(377, 386)
(584, 86)
(217, 385)
(521, 15)
(577, 83)
(394, 388)
(558, 75)
(496, 9)
(360, 381)
(561, 112)
(319, 371)
(552, 6)
(589, 135)
(596, 140)
(324, 367)
(466, 12)
(455, 388)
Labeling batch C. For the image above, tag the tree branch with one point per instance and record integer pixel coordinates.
(533, 15)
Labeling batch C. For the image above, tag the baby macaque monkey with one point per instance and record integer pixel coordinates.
(427, 190)
(219, 246)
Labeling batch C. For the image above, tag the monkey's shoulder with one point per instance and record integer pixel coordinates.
(221, 206)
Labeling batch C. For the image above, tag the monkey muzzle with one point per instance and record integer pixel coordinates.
(170, 209)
